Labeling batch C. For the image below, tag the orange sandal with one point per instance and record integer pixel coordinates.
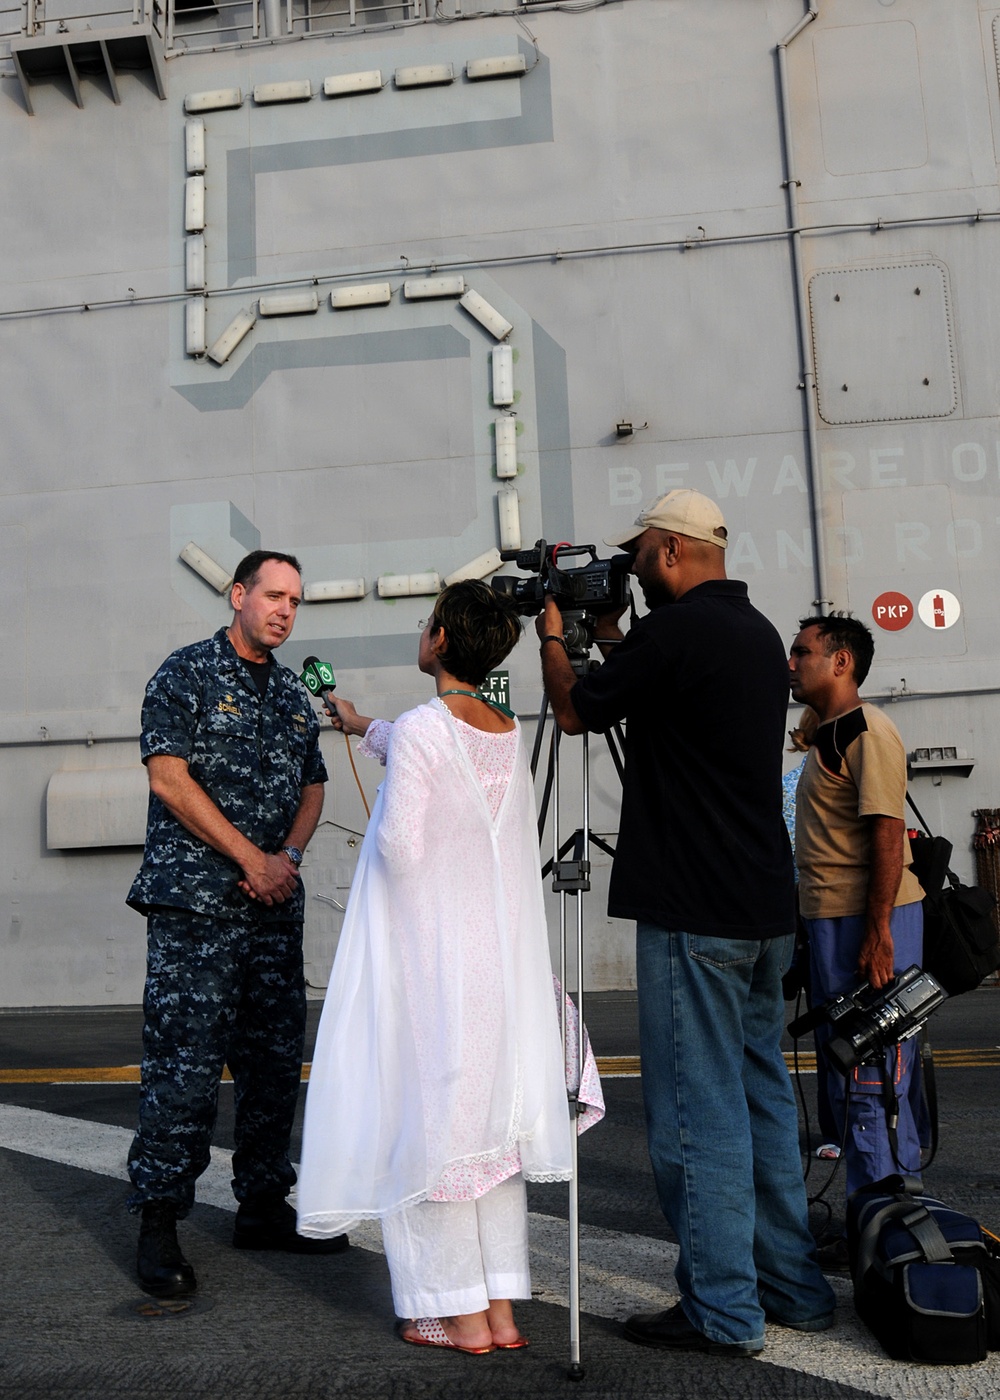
(431, 1333)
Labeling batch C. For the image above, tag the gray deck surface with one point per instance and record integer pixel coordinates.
(269, 1325)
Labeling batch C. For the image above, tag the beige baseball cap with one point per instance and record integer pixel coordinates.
(685, 511)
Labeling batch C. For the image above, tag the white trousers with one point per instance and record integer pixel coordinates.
(451, 1257)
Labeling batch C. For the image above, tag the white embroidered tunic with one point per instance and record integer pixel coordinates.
(438, 1069)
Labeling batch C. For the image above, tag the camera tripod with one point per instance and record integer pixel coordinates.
(569, 867)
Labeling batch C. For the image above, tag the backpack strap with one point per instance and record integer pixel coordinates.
(916, 813)
(946, 871)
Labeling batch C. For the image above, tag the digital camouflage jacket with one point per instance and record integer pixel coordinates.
(252, 755)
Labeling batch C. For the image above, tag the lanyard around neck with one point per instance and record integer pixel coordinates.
(494, 704)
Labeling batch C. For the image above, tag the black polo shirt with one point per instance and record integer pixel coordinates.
(703, 687)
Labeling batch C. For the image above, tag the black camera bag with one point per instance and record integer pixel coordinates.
(960, 936)
(922, 1274)
(961, 944)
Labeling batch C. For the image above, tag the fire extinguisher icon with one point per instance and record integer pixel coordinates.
(939, 609)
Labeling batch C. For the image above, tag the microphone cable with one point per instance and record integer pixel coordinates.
(357, 779)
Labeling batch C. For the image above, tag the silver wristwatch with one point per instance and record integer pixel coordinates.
(294, 854)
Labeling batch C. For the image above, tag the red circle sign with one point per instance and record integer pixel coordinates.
(892, 611)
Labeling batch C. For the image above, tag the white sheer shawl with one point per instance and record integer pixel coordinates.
(439, 1043)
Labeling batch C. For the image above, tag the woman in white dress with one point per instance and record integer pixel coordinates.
(437, 1084)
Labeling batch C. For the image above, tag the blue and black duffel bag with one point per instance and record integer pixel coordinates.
(924, 1280)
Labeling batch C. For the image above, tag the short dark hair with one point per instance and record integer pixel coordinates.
(248, 569)
(843, 632)
(482, 627)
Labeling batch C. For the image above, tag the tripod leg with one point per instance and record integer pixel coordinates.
(576, 1371)
(580, 874)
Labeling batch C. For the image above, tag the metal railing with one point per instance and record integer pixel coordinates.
(221, 24)
(214, 24)
(31, 18)
(185, 26)
(12, 26)
(330, 16)
(218, 24)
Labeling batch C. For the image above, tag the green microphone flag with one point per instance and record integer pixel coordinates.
(317, 676)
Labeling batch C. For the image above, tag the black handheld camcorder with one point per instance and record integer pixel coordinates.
(866, 1020)
(581, 594)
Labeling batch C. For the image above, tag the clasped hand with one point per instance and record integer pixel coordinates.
(273, 880)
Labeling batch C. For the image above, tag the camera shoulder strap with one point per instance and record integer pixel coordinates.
(929, 1091)
(890, 1106)
(890, 1103)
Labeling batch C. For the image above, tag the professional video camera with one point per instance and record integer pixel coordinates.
(582, 594)
(866, 1020)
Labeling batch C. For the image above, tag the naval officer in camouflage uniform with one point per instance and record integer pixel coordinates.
(231, 746)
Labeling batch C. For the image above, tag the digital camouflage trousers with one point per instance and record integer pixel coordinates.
(218, 992)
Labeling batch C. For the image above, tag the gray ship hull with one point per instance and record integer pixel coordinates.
(738, 248)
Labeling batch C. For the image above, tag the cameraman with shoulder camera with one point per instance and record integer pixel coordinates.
(704, 866)
(860, 901)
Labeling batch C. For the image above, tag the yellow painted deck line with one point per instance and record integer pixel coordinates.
(611, 1066)
(103, 1074)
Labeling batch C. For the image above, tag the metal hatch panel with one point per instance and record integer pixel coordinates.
(883, 343)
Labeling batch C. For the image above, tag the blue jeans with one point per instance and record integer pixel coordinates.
(723, 1131)
(834, 945)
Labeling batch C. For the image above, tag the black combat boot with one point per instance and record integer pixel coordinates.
(163, 1270)
(267, 1221)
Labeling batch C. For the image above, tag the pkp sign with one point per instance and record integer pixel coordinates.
(892, 611)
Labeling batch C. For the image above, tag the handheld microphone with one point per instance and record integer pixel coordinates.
(318, 678)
